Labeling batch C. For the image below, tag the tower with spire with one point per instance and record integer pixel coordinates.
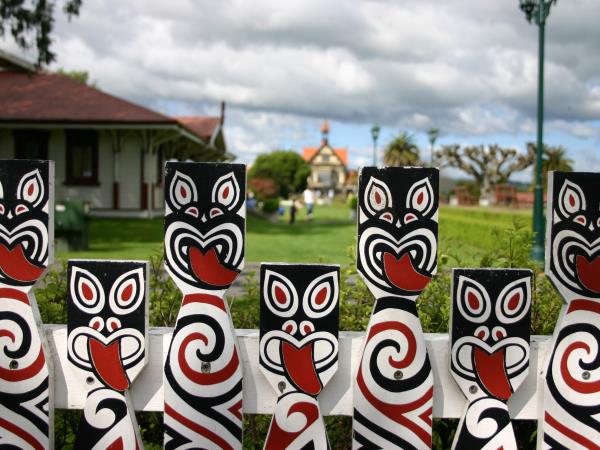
(329, 165)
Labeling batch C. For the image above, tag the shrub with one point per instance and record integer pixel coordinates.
(270, 205)
(264, 188)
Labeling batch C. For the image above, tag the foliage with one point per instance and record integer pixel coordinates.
(401, 151)
(30, 24)
(285, 167)
(553, 158)
(270, 205)
(353, 202)
(263, 188)
(487, 165)
(81, 76)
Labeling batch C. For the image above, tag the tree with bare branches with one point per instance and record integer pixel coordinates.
(489, 165)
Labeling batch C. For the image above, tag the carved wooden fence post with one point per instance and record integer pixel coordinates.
(396, 257)
(572, 378)
(299, 321)
(26, 242)
(489, 338)
(106, 344)
(205, 221)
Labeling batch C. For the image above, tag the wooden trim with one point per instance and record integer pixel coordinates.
(116, 195)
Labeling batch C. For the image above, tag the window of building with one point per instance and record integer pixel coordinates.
(82, 157)
(324, 177)
(31, 144)
(325, 158)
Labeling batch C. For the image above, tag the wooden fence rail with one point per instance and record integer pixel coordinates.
(259, 397)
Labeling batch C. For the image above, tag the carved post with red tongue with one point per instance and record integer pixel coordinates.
(106, 345)
(299, 315)
(489, 337)
(26, 242)
(396, 258)
(205, 224)
(572, 374)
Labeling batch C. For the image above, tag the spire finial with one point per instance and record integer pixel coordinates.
(325, 131)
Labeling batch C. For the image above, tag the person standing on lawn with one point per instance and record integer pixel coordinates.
(309, 200)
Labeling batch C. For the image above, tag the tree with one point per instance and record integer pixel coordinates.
(488, 165)
(82, 76)
(433, 134)
(401, 151)
(553, 158)
(30, 23)
(285, 167)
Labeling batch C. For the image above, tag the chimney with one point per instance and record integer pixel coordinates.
(325, 133)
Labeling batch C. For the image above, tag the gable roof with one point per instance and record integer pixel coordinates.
(310, 152)
(47, 98)
(203, 126)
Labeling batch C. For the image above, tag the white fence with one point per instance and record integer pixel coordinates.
(259, 397)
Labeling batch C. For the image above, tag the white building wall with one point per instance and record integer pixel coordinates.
(130, 173)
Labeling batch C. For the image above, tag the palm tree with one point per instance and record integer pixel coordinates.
(554, 158)
(401, 151)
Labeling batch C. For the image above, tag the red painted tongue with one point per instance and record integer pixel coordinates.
(588, 272)
(300, 367)
(15, 264)
(107, 361)
(402, 273)
(207, 267)
(492, 373)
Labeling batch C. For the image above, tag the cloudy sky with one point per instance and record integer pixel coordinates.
(467, 67)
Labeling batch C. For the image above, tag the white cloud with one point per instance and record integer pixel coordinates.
(468, 67)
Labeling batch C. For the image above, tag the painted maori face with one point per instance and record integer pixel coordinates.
(25, 194)
(107, 319)
(491, 318)
(205, 220)
(397, 229)
(574, 233)
(299, 314)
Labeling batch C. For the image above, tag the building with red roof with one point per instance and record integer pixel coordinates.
(329, 165)
(108, 151)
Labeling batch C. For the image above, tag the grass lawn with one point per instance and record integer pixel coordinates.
(464, 233)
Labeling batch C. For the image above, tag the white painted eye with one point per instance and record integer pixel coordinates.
(420, 197)
(570, 199)
(127, 292)
(279, 294)
(377, 196)
(514, 301)
(321, 295)
(86, 291)
(182, 190)
(473, 300)
(31, 188)
(226, 191)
